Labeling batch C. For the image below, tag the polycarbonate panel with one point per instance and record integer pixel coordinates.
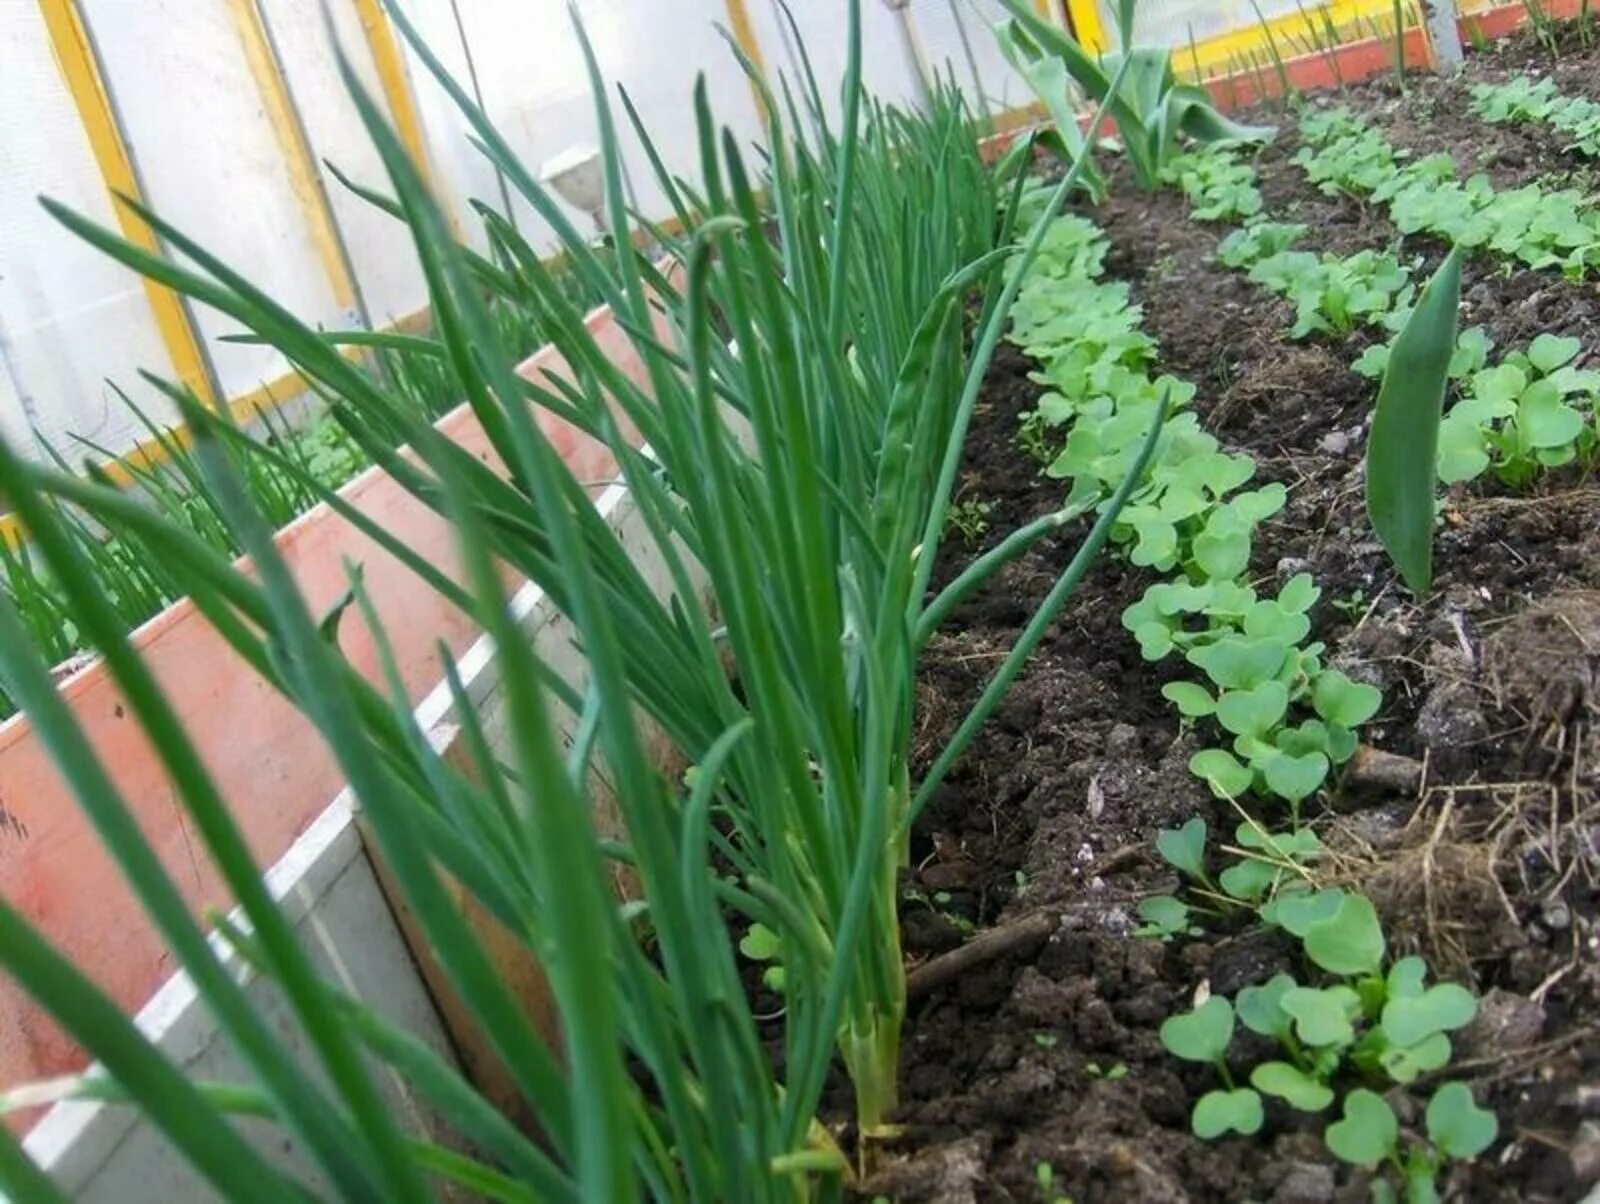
(69, 317)
(820, 34)
(380, 251)
(461, 172)
(210, 161)
(534, 86)
(1176, 22)
(960, 42)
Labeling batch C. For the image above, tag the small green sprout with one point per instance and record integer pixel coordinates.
(1164, 918)
(1117, 1071)
(1218, 186)
(1203, 1035)
(761, 944)
(970, 519)
(1353, 604)
(1344, 154)
(1045, 1175)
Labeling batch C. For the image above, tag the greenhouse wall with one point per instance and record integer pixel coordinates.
(222, 113)
(223, 116)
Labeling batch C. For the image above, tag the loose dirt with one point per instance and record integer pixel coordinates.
(1488, 865)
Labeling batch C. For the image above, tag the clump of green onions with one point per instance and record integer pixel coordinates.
(810, 384)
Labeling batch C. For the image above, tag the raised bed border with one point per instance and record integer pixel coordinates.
(263, 754)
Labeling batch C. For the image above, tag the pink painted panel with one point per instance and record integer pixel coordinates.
(268, 761)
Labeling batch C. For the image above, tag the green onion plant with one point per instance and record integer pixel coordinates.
(810, 381)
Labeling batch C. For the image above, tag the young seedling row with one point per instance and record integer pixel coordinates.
(744, 1008)
(1530, 409)
(1283, 723)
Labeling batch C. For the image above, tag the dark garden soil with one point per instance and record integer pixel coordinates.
(1481, 852)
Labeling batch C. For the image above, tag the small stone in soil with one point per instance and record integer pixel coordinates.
(1305, 1183)
(1449, 719)
(1585, 1154)
(1506, 1023)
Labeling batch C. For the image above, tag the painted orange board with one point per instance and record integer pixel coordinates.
(1356, 61)
(270, 765)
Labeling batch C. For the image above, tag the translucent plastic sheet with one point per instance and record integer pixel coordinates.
(190, 105)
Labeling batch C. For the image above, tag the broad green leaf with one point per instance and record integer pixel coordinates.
(1222, 550)
(1350, 941)
(1299, 594)
(1270, 619)
(1291, 1084)
(1218, 1112)
(1240, 664)
(1322, 1017)
(1221, 770)
(1544, 420)
(1368, 1131)
(1457, 1125)
(1191, 700)
(1402, 449)
(1201, 1035)
(1463, 448)
(1409, 1064)
(1253, 712)
(1444, 1007)
(1296, 911)
(1249, 879)
(1340, 700)
(1300, 844)
(1185, 847)
(1497, 389)
(1164, 914)
(761, 944)
(1406, 977)
(1548, 352)
(1260, 1008)
(1295, 778)
(1308, 737)
(1155, 639)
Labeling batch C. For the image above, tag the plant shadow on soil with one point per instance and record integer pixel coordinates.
(1051, 1054)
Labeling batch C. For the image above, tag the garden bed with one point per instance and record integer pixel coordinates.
(1051, 1054)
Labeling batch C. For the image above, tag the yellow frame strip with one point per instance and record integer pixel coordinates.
(304, 179)
(744, 33)
(1296, 34)
(389, 61)
(1087, 26)
(81, 71)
